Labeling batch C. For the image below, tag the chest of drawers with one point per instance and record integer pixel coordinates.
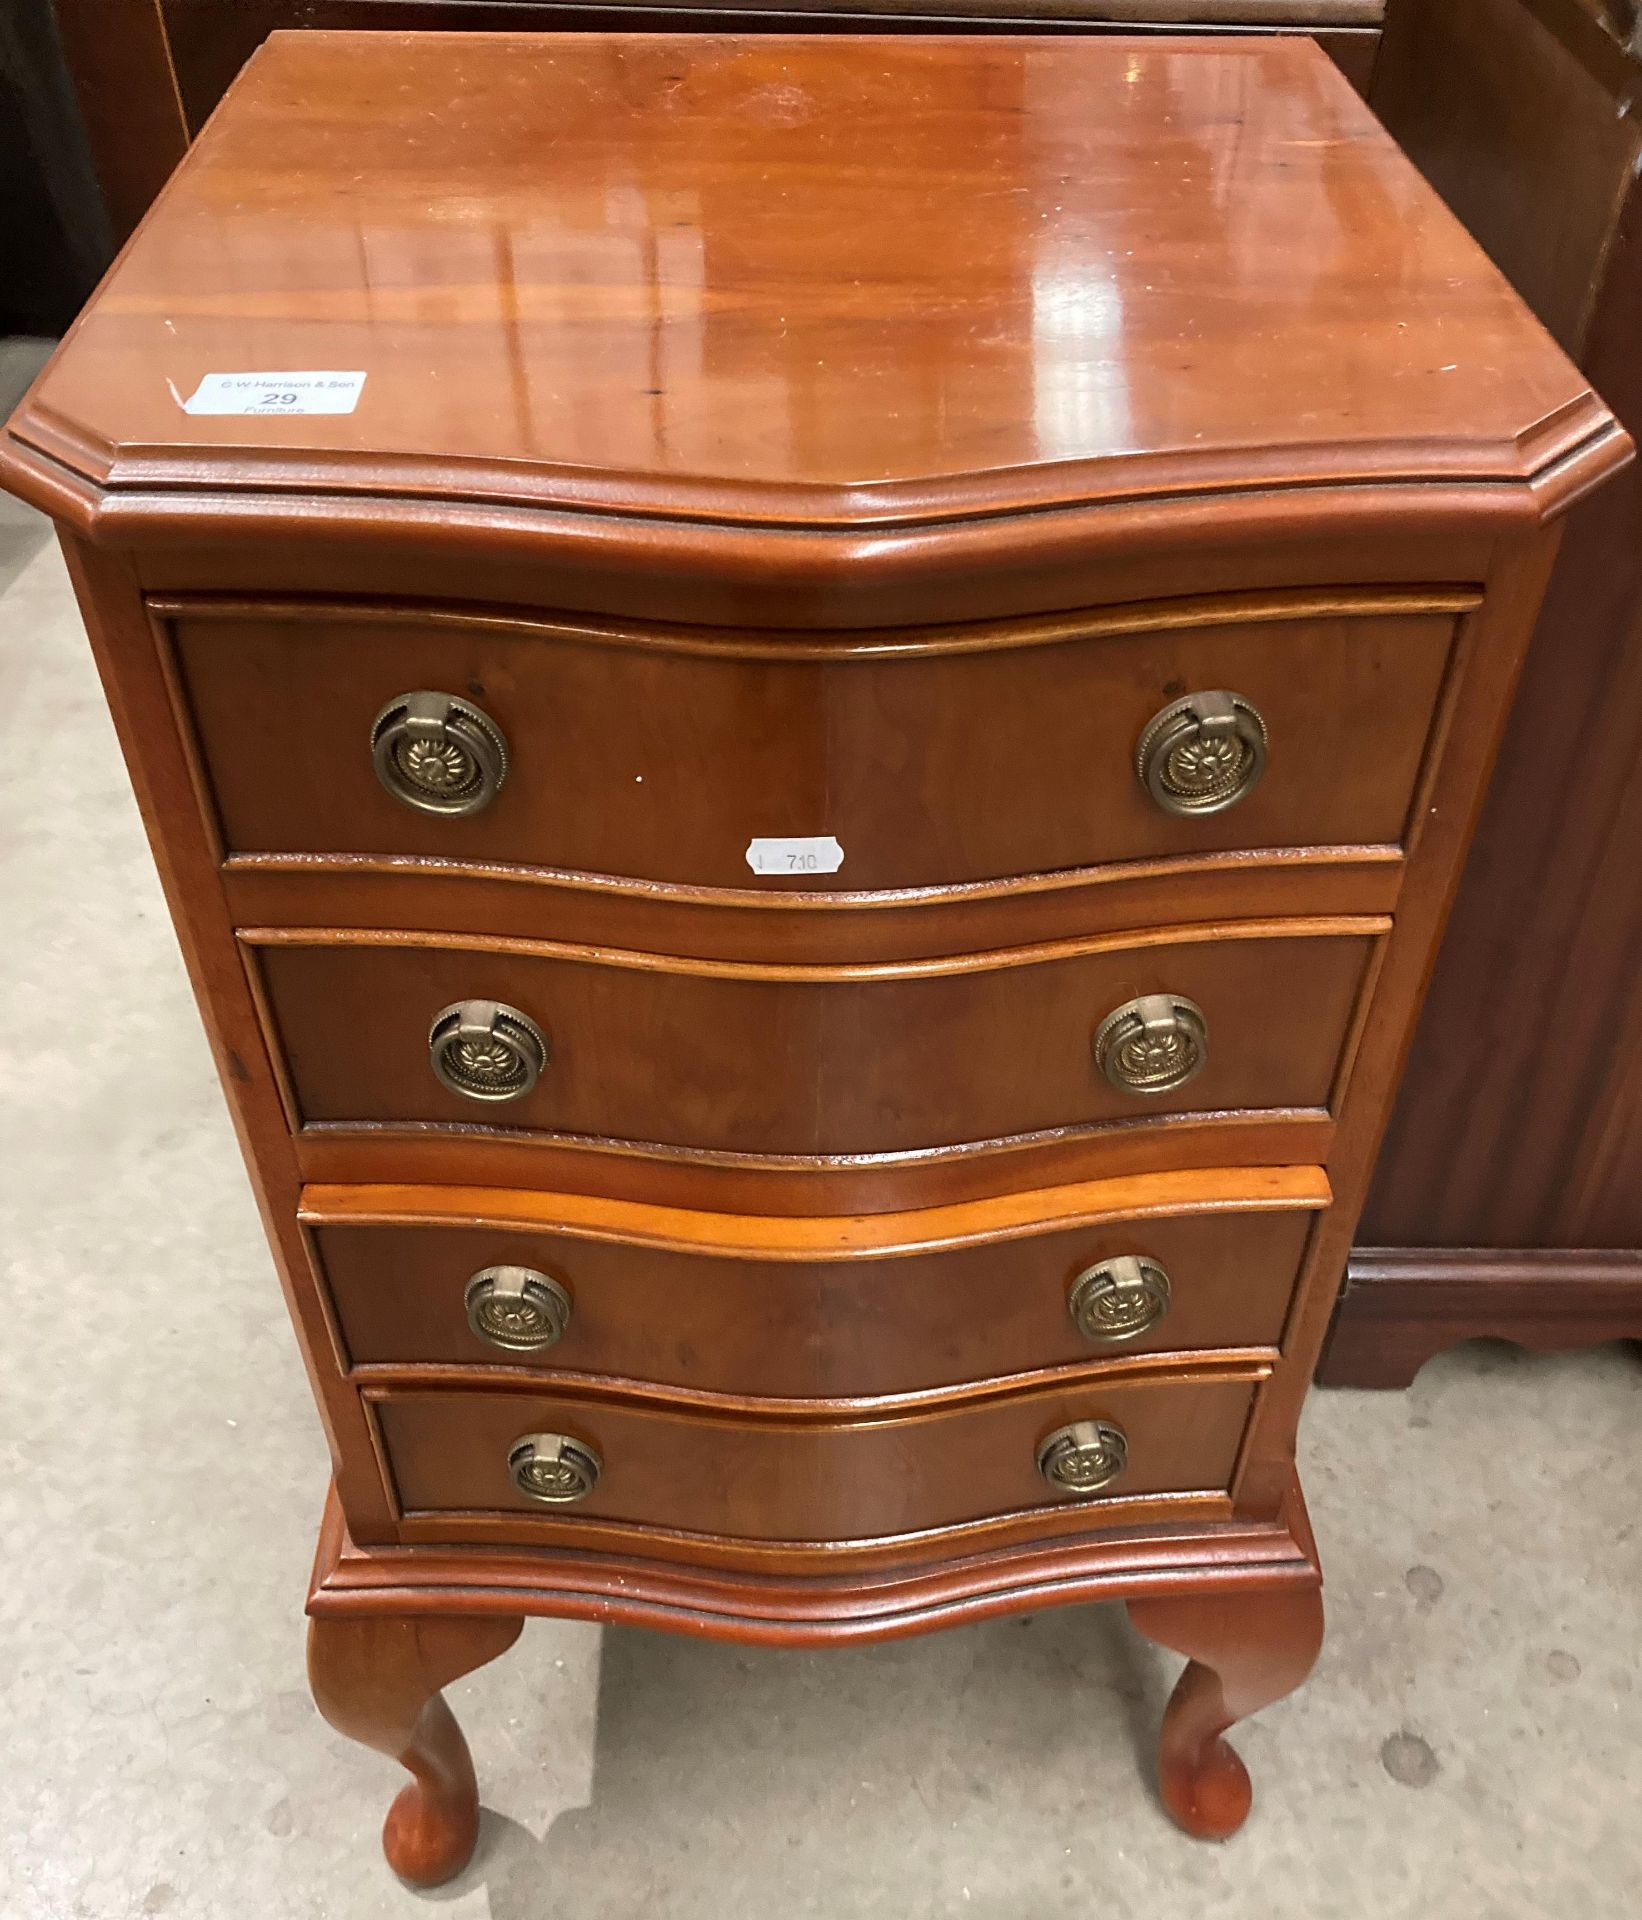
(808, 805)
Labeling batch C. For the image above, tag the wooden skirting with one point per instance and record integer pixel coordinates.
(1401, 1305)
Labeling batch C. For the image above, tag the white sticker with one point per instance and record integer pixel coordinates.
(802, 853)
(276, 393)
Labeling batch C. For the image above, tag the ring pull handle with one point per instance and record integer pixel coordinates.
(1119, 1299)
(555, 1468)
(485, 1050)
(1083, 1458)
(517, 1308)
(438, 754)
(1154, 1044)
(1202, 753)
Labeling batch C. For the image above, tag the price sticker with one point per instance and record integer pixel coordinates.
(796, 855)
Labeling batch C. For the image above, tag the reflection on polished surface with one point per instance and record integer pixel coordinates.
(813, 263)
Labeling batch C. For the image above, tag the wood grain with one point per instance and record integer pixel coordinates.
(1521, 1124)
(1403, 1305)
(729, 1304)
(791, 1062)
(773, 1483)
(1506, 1203)
(378, 1681)
(557, 400)
(211, 39)
(149, 72)
(660, 755)
(121, 644)
(789, 927)
(353, 1154)
(747, 415)
(1491, 654)
(1046, 359)
(1245, 1651)
(1521, 113)
(783, 1607)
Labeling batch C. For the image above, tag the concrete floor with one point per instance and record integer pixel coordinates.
(1470, 1745)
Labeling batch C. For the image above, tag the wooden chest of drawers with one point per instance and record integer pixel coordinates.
(808, 715)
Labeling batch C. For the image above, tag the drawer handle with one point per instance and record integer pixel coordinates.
(554, 1468)
(486, 1051)
(1119, 1299)
(1084, 1457)
(1153, 1044)
(517, 1308)
(438, 754)
(1202, 754)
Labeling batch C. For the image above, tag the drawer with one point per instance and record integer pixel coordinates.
(806, 1061)
(814, 1308)
(448, 1453)
(933, 756)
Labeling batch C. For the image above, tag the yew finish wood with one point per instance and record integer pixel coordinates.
(775, 1605)
(918, 1301)
(608, 326)
(796, 927)
(149, 72)
(811, 1185)
(1244, 1651)
(773, 1483)
(786, 1063)
(378, 1682)
(873, 428)
(896, 418)
(633, 751)
(373, 1668)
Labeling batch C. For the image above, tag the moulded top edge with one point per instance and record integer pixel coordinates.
(823, 282)
(69, 473)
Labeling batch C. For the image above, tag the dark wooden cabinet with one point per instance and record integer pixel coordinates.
(1508, 1200)
(54, 239)
(150, 71)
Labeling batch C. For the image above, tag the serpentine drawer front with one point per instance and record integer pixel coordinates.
(808, 765)
(1067, 741)
(772, 1060)
(1113, 1269)
(760, 1482)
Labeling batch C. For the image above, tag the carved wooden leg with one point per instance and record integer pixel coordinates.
(377, 1680)
(1245, 1651)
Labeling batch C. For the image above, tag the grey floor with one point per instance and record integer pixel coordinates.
(1470, 1745)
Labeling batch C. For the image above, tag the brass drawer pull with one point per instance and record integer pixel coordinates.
(1152, 1045)
(1202, 754)
(554, 1468)
(517, 1308)
(1119, 1299)
(438, 754)
(486, 1051)
(1084, 1457)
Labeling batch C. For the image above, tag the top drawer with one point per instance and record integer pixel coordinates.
(934, 756)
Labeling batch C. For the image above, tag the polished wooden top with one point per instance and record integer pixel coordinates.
(824, 280)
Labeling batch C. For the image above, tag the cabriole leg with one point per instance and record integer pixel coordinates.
(1245, 1650)
(377, 1680)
